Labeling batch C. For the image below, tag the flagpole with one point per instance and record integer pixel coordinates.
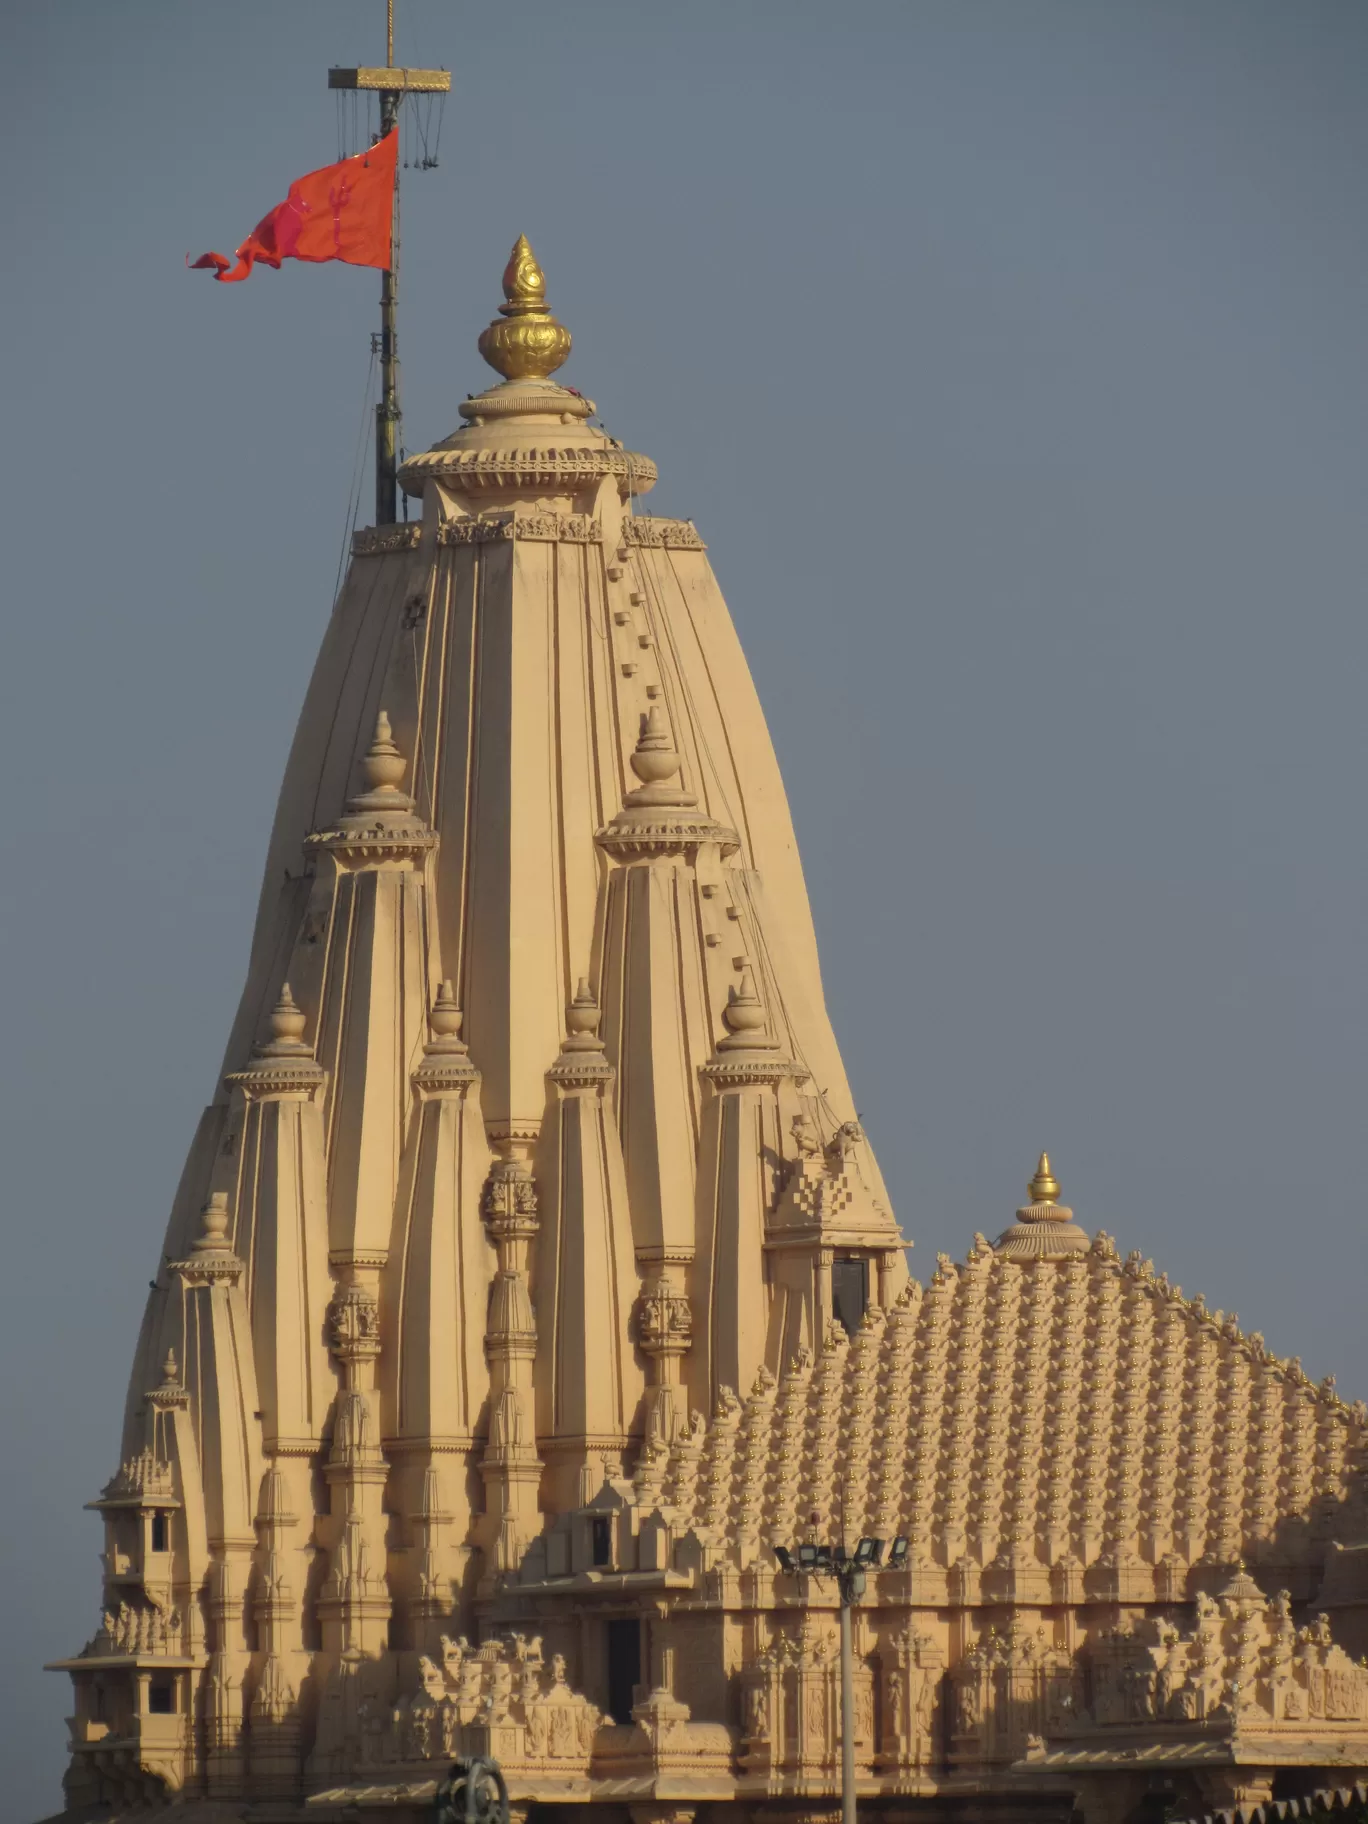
(387, 408)
(392, 85)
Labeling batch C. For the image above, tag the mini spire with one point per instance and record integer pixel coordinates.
(382, 768)
(445, 1021)
(287, 1021)
(744, 1017)
(529, 344)
(170, 1371)
(446, 1057)
(655, 758)
(213, 1238)
(582, 1018)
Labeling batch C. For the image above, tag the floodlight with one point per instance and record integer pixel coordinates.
(807, 1557)
(897, 1557)
(869, 1552)
(785, 1557)
(823, 1558)
(838, 1555)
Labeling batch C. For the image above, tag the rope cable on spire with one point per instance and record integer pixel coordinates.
(354, 491)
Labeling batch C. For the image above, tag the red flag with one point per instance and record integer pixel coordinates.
(343, 212)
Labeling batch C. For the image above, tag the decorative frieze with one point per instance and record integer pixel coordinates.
(495, 528)
(662, 534)
(382, 541)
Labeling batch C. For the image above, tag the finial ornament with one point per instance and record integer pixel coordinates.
(1044, 1187)
(744, 1016)
(1044, 1228)
(170, 1372)
(383, 766)
(445, 1017)
(287, 1021)
(214, 1237)
(582, 1018)
(529, 344)
(655, 758)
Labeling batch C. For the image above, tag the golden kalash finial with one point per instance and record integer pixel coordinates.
(1044, 1187)
(529, 344)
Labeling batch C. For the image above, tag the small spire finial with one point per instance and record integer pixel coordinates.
(383, 766)
(1044, 1187)
(529, 344)
(744, 1015)
(170, 1372)
(445, 1018)
(287, 1022)
(582, 1018)
(655, 758)
(213, 1238)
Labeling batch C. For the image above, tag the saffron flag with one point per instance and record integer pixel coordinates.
(343, 212)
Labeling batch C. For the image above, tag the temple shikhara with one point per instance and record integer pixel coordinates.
(531, 1277)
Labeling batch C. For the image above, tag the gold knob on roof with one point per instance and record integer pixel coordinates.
(529, 344)
(1044, 1187)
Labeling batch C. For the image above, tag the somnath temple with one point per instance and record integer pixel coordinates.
(531, 1277)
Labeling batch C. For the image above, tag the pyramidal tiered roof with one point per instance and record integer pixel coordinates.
(1038, 1428)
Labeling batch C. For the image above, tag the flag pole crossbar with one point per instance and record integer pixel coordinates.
(396, 81)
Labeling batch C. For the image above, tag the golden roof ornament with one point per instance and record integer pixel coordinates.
(1044, 1187)
(529, 344)
(1044, 1228)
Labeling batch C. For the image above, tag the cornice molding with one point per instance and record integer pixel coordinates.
(550, 467)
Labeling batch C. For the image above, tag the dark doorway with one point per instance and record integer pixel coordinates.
(624, 1668)
(849, 1292)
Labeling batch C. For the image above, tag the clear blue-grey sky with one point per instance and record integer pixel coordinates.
(1010, 354)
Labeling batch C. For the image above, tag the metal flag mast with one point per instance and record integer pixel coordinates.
(392, 85)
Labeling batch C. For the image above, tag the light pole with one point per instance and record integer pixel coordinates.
(812, 1560)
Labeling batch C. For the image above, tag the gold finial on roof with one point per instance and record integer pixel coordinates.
(1044, 1187)
(1045, 1228)
(529, 344)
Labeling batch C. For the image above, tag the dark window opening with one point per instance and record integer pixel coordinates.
(601, 1539)
(97, 1709)
(161, 1697)
(624, 1668)
(849, 1293)
(160, 1531)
